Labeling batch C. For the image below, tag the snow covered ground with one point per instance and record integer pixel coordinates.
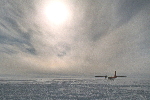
(75, 89)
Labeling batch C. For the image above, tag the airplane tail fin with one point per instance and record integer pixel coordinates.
(115, 74)
(118, 76)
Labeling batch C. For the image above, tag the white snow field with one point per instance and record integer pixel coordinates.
(75, 89)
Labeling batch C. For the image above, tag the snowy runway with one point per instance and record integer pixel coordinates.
(75, 89)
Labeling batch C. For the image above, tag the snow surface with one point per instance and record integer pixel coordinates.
(75, 89)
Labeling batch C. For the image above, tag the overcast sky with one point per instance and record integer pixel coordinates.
(98, 37)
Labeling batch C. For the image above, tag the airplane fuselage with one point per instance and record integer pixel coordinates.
(111, 78)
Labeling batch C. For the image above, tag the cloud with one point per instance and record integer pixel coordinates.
(129, 8)
(101, 36)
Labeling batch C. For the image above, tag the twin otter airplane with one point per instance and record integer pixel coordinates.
(111, 78)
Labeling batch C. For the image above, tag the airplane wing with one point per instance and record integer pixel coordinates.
(101, 76)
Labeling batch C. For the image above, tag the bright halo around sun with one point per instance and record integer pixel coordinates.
(57, 12)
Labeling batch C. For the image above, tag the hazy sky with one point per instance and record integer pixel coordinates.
(97, 37)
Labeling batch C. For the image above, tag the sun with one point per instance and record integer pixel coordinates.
(57, 12)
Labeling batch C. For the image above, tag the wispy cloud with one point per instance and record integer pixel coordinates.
(100, 37)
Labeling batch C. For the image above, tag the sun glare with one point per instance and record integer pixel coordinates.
(57, 12)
